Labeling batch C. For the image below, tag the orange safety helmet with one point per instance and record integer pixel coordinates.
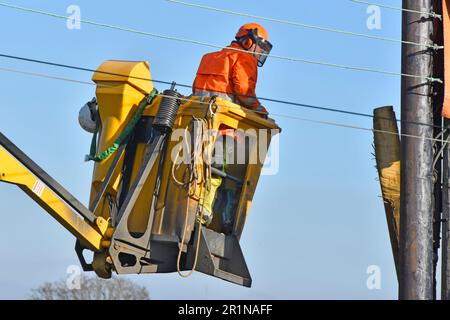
(243, 31)
(254, 33)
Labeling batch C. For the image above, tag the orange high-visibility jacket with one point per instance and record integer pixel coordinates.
(229, 72)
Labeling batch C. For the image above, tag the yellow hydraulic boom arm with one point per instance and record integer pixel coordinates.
(17, 168)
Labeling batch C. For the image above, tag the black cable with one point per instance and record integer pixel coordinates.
(297, 104)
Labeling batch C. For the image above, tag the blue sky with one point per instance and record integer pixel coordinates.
(313, 229)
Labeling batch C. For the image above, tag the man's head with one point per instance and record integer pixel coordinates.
(254, 38)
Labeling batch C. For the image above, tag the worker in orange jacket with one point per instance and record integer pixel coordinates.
(232, 72)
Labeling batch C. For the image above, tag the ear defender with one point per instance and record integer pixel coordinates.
(247, 43)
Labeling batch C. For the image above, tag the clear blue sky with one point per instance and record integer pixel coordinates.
(314, 228)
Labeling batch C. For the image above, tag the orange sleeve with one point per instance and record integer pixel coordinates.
(244, 75)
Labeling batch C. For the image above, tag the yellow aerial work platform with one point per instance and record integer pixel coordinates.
(156, 156)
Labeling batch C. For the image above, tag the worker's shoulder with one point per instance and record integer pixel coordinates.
(214, 55)
(232, 53)
(236, 54)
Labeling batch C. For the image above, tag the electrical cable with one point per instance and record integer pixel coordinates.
(295, 104)
(301, 60)
(321, 122)
(300, 24)
(431, 14)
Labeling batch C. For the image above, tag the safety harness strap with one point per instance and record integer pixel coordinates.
(129, 128)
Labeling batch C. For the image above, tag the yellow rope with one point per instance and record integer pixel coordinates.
(205, 180)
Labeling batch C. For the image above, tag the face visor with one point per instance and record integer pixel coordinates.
(262, 50)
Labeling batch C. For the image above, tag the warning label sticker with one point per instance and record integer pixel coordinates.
(38, 188)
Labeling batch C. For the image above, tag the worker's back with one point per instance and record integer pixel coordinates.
(227, 72)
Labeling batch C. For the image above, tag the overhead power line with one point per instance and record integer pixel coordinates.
(302, 119)
(42, 75)
(301, 24)
(328, 123)
(285, 102)
(61, 65)
(431, 14)
(150, 34)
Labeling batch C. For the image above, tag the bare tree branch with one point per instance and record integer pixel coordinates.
(91, 288)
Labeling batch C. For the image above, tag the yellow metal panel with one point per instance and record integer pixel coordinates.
(135, 73)
(121, 85)
(172, 202)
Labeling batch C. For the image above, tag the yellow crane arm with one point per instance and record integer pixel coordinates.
(17, 168)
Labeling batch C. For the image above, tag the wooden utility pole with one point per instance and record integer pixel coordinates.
(445, 282)
(416, 209)
(445, 271)
(438, 99)
(387, 154)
